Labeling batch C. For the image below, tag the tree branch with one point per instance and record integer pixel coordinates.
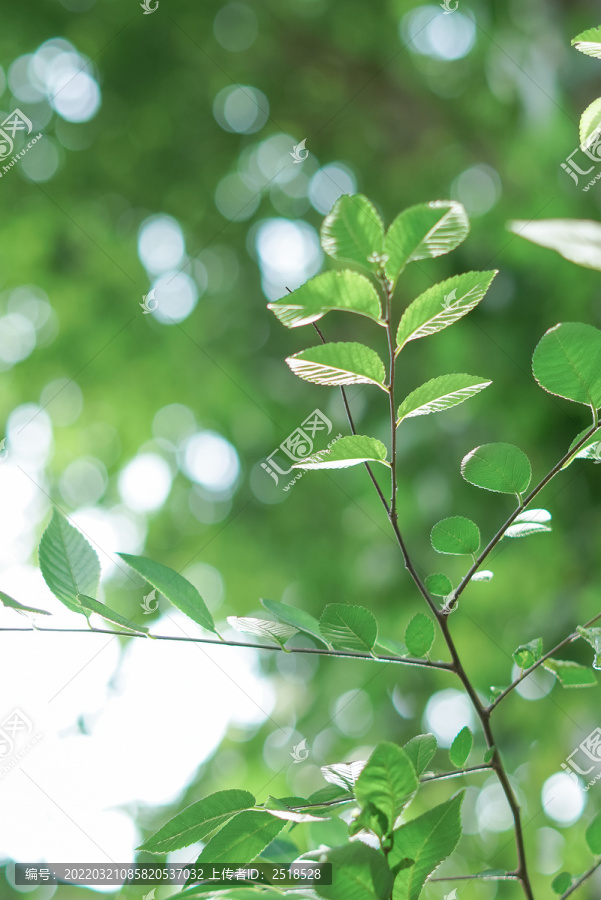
(456, 774)
(316, 651)
(581, 880)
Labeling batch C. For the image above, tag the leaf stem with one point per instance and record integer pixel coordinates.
(457, 774)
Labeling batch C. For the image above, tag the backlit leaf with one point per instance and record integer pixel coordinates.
(241, 838)
(353, 231)
(277, 632)
(174, 587)
(591, 449)
(419, 635)
(567, 363)
(358, 873)
(339, 363)
(498, 467)
(439, 585)
(68, 562)
(442, 305)
(455, 535)
(348, 451)
(593, 636)
(347, 291)
(590, 121)
(589, 42)
(348, 627)
(531, 521)
(89, 603)
(571, 674)
(526, 655)
(10, 603)
(388, 781)
(461, 747)
(343, 775)
(577, 240)
(422, 232)
(296, 617)
(420, 750)
(195, 822)
(439, 394)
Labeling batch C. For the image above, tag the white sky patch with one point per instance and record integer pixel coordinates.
(210, 460)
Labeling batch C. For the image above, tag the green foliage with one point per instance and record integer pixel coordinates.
(567, 362)
(589, 42)
(439, 585)
(353, 231)
(461, 747)
(427, 840)
(424, 231)
(346, 290)
(590, 121)
(571, 674)
(358, 873)
(89, 603)
(498, 467)
(298, 618)
(388, 781)
(69, 564)
(593, 636)
(174, 587)
(348, 627)
(198, 821)
(577, 241)
(531, 521)
(590, 449)
(442, 305)
(455, 535)
(561, 882)
(242, 837)
(439, 394)
(420, 751)
(526, 655)
(277, 632)
(593, 835)
(336, 364)
(348, 451)
(10, 603)
(419, 635)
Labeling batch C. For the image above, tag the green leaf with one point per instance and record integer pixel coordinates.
(590, 121)
(14, 604)
(567, 363)
(455, 535)
(497, 467)
(593, 835)
(174, 587)
(439, 394)
(419, 635)
(198, 820)
(109, 614)
(341, 363)
(241, 838)
(591, 449)
(348, 627)
(390, 647)
(526, 655)
(369, 819)
(358, 873)
(348, 451)
(428, 840)
(420, 750)
(298, 618)
(277, 632)
(489, 754)
(483, 575)
(422, 232)
(589, 42)
(593, 636)
(388, 781)
(68, 563)
(578, 241)
(442, 305)
(347, 291)
(531, 521)
(461, 747)
(561, 882)
(439, 585)
(353, 231)
(571, 674)
(343, 775)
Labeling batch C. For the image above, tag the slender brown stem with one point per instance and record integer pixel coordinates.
(571, 637)
(581, 880)
(525, 503)
(316, 651)
(457, 774)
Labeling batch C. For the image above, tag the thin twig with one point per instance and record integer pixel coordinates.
(456, 774)
(316, 651)
(581, 880)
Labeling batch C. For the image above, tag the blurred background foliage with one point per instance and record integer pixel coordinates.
(157, 170)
